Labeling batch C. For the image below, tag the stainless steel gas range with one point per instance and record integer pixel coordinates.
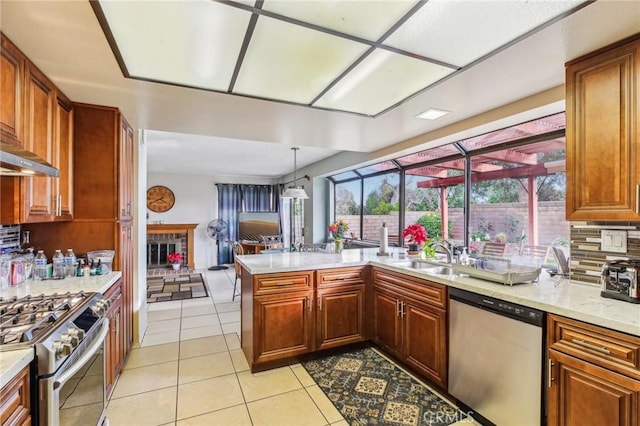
(67, 333)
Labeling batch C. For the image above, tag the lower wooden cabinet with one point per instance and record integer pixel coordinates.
(409, 326)
(284, 325)
(583, 394)
(15, 402)
(114, 342)
(593, 375)
(340, 316)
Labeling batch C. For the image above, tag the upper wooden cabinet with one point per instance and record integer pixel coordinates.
(603, 133)
(11, 92)
(38, 117)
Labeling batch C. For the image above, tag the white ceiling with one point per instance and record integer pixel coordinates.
(217, 131)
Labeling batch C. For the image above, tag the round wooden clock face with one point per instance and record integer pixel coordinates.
(160, 199)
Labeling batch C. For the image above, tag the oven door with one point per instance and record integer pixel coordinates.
(76, 394)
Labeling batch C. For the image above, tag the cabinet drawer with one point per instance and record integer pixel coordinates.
(341, 276)
(610, 349)
(426, 291)
(284, 282)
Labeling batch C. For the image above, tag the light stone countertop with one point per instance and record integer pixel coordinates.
(11, 362)
(550, 294)
(92, 284)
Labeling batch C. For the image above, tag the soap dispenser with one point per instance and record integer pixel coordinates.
(464, 257)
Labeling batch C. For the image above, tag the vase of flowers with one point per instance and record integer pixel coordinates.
(337, 230)
(175, 259)
(415, 235)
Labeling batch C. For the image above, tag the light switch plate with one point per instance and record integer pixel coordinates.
(613, 241)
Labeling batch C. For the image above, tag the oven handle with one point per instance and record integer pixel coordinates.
(95, 347)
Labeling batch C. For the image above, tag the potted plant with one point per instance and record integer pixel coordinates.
(416, 236)
(175, 259)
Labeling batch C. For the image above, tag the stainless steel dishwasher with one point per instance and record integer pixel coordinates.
(496, 353)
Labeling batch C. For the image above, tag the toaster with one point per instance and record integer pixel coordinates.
(619, 280)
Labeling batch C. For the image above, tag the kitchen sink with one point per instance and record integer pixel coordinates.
(432, 268)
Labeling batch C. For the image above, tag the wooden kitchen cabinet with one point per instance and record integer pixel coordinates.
(286, 325)
(11, 92)
(114, 342)
(278, 320)
(603, 133)
(38, 117)
(98, 223)
(410, 322)
(15, 401)
(593, 375)
(340, 300)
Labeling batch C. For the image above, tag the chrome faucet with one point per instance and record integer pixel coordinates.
(445, 247)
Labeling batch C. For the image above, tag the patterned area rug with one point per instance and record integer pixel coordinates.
(367, 389)
(175, 287)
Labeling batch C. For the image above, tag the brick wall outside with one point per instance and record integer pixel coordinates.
(510, 218)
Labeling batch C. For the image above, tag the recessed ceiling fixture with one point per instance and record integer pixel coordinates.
(432, 114)
(295, 191)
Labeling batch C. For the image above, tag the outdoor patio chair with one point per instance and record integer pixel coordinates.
(494, 249)
(537, 252)
(237, 251)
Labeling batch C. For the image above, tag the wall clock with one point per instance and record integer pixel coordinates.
(160, 199)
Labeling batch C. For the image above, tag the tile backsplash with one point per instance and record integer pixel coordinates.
(586, 256)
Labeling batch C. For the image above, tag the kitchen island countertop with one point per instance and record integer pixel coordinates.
(555, 295)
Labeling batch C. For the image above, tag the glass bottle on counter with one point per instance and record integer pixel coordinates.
(70, 263)
(80, 268)
(59, 267)
(40, 265)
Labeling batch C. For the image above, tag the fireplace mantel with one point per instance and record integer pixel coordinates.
(176, 228)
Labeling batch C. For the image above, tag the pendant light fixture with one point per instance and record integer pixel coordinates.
(295, 191)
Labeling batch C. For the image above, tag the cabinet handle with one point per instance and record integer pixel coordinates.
(60, 205)
(118, 323)
(638, 198)
(397, 308)
(319, 303)
(402, 305)
(550, 372)
(309, 303)
(588, 345)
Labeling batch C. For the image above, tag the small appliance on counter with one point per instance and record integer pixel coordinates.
(619, 280)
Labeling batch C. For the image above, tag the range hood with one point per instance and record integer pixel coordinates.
(15, 161)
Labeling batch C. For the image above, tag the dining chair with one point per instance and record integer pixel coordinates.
(238, 250)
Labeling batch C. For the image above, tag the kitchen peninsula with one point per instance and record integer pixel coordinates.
(295, 305)
(553, 295)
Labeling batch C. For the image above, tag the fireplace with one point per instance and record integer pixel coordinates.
(163, 239)
(158, 251)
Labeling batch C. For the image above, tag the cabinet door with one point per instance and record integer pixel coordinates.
(603, 131)
(340, 316)
(113, 345)
(126, 170)
(387, 323)
(283, 325)
(425, 340)
(126, 266)
(11, 91)
(582, 394)
(63, 146)
(38, 192)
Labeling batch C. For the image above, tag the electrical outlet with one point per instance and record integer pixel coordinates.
(613, 241)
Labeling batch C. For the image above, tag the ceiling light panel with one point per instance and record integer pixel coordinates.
(293, 63)
(178, 42)
(368, 20)
(382, 79)
(459, 32)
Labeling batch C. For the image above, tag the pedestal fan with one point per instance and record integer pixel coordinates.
(217, 229)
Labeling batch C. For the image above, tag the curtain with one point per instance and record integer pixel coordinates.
(235, 198)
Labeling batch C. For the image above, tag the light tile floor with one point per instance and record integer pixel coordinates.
(190, 370)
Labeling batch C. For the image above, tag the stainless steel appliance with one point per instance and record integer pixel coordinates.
(496, 352)
(619, 280)
(67, 333)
